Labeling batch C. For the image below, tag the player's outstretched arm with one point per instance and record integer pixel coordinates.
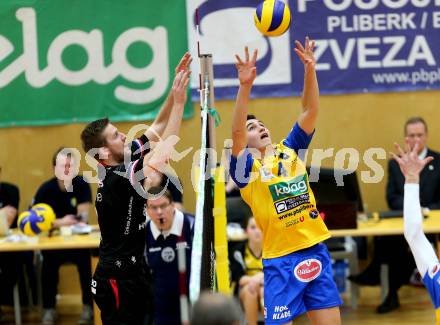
(411, 167)
(157, 159)
(157, 129)
(247, 73)
(310, 97)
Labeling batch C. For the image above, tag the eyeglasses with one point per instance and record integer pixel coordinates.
(159, 207)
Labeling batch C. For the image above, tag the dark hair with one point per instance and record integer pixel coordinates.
(215, 309)
(415, 120)
(245, 221)
(155, 190)
(92, 137)
(55, 155)
(251, 117)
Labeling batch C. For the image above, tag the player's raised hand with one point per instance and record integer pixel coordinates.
(409, 162)
(184, 63)
(305, 53)
(180, 84)
(247, 71)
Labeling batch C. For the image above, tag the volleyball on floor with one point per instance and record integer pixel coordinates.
(272, 17)
(36, 220)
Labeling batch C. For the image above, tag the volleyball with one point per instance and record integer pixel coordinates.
(272, 17)
(36, 220)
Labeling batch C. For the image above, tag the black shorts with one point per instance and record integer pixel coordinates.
(123, 301)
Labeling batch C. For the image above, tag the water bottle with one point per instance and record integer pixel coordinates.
(339, 274)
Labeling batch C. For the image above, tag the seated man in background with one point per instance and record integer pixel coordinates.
(70, 198)
(9, 262)
(247, 271)
(168, 230)
(393, 250)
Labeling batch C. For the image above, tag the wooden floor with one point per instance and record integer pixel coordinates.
(416, 308)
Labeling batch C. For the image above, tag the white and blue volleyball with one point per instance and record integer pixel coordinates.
(36, 220)
(272, 17)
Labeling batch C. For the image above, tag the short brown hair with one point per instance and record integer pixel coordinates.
(156, 190)
(415, 120)
(91, 136)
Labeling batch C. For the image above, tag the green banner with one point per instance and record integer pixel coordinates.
(66, 61)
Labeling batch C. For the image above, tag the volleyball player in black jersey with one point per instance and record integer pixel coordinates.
(119, 285)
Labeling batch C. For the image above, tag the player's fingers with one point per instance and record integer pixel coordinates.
(238, 59)
(254, 57)
(300, 55)
(399, 149)
(246, 52)
(299, 46)
(427, 160)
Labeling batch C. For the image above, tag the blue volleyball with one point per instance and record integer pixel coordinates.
(272, 17)
(36, 220)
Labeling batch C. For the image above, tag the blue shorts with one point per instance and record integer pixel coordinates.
(297, 283)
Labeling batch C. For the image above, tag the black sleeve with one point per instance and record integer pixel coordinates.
(394, 186)
(175, 193)
(135, 175)
(82, 190)
(13, 199)
(12, 195)
(41, 196)
(140, 147)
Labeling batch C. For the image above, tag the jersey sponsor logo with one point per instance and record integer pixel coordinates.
(94, 285)
(293, 187)
(155, 249)
(293, 222)
(143, 225)
(128, 222)
(308, 270)
(281, 312)
(295, 212)
(168, 254)
(291, 203)
(314, 214)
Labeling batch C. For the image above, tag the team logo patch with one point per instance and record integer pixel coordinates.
(434, 270)
(314, 214)
(294, 187)
(308, 270)
(168, 254)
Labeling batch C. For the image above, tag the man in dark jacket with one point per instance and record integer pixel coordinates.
(393, 250)
(169, 241)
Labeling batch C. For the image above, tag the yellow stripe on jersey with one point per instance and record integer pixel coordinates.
(283, 204)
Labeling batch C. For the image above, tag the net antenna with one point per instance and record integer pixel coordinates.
(203, 257)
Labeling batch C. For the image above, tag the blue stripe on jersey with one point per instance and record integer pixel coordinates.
(433, 287)
(298, 139)
(240, 169)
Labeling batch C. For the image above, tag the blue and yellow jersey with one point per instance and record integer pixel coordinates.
(432, 284)
(278, 191)
(254, 264)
